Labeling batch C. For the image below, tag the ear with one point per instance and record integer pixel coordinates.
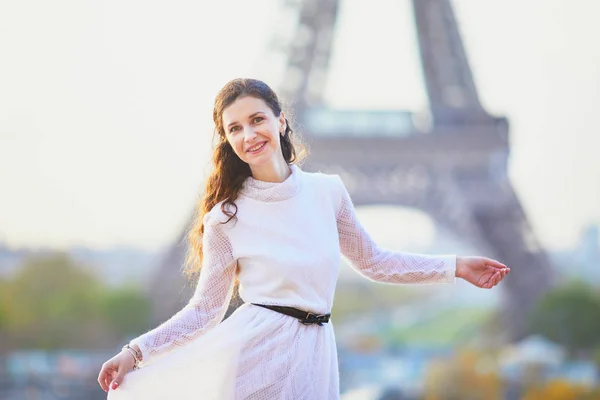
(282, 124)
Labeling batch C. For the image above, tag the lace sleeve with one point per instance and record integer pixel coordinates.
(207, 306)
(386, 266)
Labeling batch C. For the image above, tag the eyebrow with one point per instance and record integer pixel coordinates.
(249, 117)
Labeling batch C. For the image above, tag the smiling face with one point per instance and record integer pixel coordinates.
(254, 133)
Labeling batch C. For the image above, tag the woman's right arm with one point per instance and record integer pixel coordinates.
(205, 309)
(207, 306)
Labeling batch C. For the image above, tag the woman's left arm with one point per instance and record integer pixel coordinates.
(404, 268)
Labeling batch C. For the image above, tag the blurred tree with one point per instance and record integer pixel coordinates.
(596, 356)
(569, 315)
(4, 302)
(127, 311)
(466, 376)
(55, 303)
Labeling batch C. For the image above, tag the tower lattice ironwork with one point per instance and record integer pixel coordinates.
(455, 169)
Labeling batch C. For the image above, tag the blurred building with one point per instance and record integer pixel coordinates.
(537, 359)
(43, 375)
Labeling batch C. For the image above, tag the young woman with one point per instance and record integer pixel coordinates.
(277, 231)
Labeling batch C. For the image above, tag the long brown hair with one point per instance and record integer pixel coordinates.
(230, 172)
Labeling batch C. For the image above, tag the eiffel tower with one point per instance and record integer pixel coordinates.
(453, 168)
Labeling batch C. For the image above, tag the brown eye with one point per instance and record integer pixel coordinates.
(233, 129)
(258, 120)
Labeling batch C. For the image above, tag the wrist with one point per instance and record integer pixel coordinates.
(135, 352)
(136, 348)
(459, 267)
(127, 353)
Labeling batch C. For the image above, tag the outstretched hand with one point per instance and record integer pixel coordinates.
(112, 372)
(480, 271)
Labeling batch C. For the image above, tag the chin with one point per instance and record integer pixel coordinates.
(264, 158)
(258, 163)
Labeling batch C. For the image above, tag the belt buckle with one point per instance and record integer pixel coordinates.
(313, 319)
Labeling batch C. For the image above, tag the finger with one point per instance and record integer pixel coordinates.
(495, 264)
(494, 279)
(101, 383)
(102, 379)
(110, 377)
(499, 277)
(116, 382)
(107, 382)
(489, 283)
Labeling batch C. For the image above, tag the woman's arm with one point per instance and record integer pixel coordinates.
(207, 306)
(381, 265)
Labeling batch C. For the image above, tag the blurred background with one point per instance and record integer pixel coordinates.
(465, 127)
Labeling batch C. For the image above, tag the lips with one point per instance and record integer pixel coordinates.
(256, 147)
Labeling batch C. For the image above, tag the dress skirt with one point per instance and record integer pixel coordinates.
(256, 354)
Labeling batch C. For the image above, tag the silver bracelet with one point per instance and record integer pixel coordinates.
(135, 360)
(136, 356)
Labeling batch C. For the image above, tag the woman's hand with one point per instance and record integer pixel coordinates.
(480, 271)
(112, 372)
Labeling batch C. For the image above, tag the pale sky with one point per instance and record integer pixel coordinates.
(105, 107)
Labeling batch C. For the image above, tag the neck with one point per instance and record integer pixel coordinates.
(276, 172)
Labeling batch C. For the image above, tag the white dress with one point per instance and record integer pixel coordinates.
(285, 248)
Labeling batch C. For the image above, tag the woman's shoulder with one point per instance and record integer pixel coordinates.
(330, 183)
(323, 178)
(217, 214)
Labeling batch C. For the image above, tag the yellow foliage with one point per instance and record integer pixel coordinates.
(468, 375)
(557, 389)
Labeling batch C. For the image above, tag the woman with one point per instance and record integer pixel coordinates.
(278, 231)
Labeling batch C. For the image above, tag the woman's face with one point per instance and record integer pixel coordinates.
(253, 131)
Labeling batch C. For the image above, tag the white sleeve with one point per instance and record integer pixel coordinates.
(207, 306)
(380, 265)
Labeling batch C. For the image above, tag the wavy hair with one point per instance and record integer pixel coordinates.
(229, 171)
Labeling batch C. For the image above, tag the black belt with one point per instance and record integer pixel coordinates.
(305, 317)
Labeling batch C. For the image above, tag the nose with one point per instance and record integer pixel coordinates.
(249, 134)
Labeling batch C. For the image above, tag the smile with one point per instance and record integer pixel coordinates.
(256, 148)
